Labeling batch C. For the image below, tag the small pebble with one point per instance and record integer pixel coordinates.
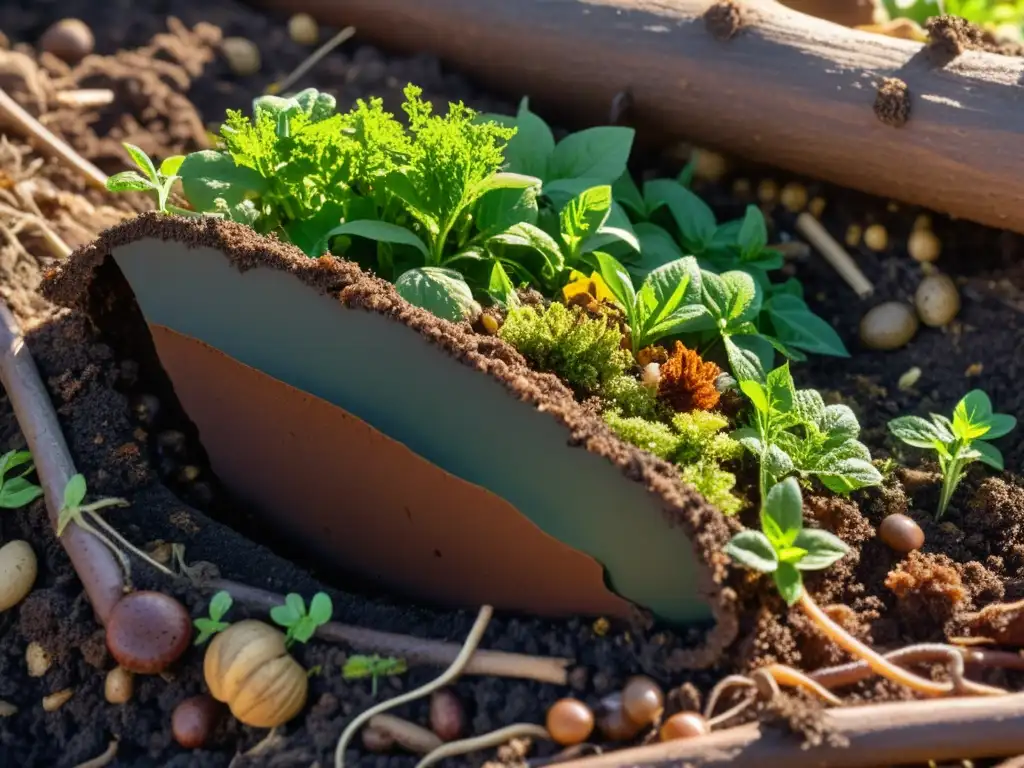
(937, 300)
(118, 686)
(888, 326)
(70, 40)
(7, 709)
(612, 720)
(242, 55)
(303, 29)
(570, 722)
(794, 197)
(37, 660)
(853, 235)
(974, 369)
(447, 716)
(768, 192)
(684, 725)
(876, 238)
(816, 207)
(923, 245)
(377, 739)
(55, 701)
(909, 379)
(900, 533)
(643, 700)
(194, 720)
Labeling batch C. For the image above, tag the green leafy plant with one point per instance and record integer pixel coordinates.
(584, 352)
(793, 432)
(87, 517)
(783, 547)
(16, 491)
(959, 442)
(696, 442)
(299, 624)
(156, 180)
(1004, 16)
(207, 627)
(373, 667)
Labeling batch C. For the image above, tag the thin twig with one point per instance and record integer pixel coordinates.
(834, 254)
(450, 674)
(486, 741)
(311, 61)
(36, 131)
(413, 650)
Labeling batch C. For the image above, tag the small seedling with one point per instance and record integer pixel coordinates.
(785, 547)
(959, 442)
(220, 604)
(299, 624)
(16, 491)
(374, 667)
(158, 181)
(87, 517)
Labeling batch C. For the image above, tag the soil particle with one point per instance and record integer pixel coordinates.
(892, 102)
(949, 36)
(1000, 622)
(801, 716)
(929, 590)
(724, 19)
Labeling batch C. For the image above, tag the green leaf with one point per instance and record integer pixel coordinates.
(381, 231)
(74, 492)
(789, 582)
(17, 492)
(845, 468)
(692, 215)
(785, 508)
(781, 390)
(526, 235)
(810, 407)
(500, 287)
(288, 614)
(220, 604)
(743, 297)
(530, 149)
(797, 326)
(777, 462)
(675, 284)
(128, 181)
(913, 430)
(595, 153)
(500, 209)
(753, 235)
(755, 393)
(627, 194)
(752, 549)
(170, 165)
(501, 180)
(585, 214)
(999, 425)
(441, 291)
(989, 454)
(618, 281)
(823, 549)
(971, 415)
(142, 160)
(12, 460)
(839, 422)
(207, 175)
(617, 228)
(791, 555)
(321, 608)
(745, 363)
(656, 248)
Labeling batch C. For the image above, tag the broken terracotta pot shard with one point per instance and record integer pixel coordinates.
(351, 388)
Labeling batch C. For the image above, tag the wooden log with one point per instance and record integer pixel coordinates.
(902, 733)
(786, 89)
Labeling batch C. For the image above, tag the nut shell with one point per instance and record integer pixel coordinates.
(18, 570)
(248, 667)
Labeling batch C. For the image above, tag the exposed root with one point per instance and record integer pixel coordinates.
(486, 741)
(101, 760)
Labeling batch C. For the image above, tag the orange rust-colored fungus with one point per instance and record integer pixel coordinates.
(688, 382)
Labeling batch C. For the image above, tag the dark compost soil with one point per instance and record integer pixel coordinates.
(120, 428)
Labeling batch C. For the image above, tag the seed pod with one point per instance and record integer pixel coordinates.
(55, 701)
(876, 238)
(684, 725)
(17, 572)
(303, 29)
(447, 716)
(194, 720)
(923, 245)
(643, 700)
(37, 660)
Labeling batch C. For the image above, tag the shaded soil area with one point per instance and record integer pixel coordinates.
(128, 439)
